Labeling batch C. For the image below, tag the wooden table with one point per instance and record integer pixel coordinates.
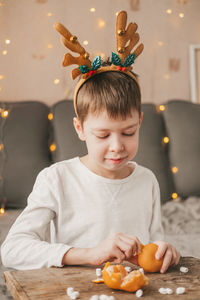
(51, 284)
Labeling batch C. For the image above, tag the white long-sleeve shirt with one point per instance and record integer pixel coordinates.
(70, 206)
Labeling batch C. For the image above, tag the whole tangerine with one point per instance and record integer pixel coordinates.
(147, 259)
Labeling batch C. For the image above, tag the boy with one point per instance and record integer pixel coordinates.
(99, 207)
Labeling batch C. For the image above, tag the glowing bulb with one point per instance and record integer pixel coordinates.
(85, 42)
(166, 76)
(181, 15)
(1, 147)
(4, 52)
(4, 114)
(50, 116)
(174, 196)
(174, 169)
(0, 88)
(7, 41)
(160, 43)
(101, 23)
(49, 46)
(49, 14)
(166, 140)
(1, 77)
(56, 81)
(117, 13)
(169, 11)
(52, 147)
(92, 9)
(162, 107)
(2, 211)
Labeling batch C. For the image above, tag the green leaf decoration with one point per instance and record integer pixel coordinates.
(116, 60)
(84, 69)
(129, 60)
(96, 63)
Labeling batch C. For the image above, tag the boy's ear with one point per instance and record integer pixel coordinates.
(141, 118)
(79, 129)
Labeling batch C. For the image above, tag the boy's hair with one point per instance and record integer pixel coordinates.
(113, 91)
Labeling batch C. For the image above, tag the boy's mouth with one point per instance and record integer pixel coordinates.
(116, 160)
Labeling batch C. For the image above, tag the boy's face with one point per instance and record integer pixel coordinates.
(111, 143)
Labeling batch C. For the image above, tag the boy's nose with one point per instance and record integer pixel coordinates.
(116, 145)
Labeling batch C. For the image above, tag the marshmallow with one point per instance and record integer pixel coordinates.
(141, 270)
(169, 291)
(183, 269)
(180, 290)
(139, 293)
(162, 291)
(94, 297)
(70, 290)
(128, 269)
(103, 297)
(98, 272)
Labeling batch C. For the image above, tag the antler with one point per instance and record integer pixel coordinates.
(123, 35)
(70, 41)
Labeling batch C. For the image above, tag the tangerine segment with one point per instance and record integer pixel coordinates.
(116, 277)
(134, 281)
(147, 260)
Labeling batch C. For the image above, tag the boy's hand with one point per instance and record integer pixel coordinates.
(169, 253)
(115, 248)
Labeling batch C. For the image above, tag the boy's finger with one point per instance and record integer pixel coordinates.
(166, 261)
(118, 255)
(161, 251)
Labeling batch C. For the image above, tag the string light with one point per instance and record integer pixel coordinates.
(85, 42)
(174, 169)
(4, 52)
(101, 23)
(174, 196)
(7, 41)
(1, 147)
(50, 46)
(160, 43)
(1, 77)
(49, 14)
(181, 15)
(52, 147)
(169, 11)
(166, 140)
(166, 76)
(56, 81)
(92, 9)
(2, 210)
(50, 116)
(162, 107)
(4, 114)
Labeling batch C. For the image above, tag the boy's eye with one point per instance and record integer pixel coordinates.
(129, 134)
(102, 137)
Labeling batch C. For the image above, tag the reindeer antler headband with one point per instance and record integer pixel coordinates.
(121, 62)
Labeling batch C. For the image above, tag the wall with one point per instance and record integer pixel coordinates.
(34, 55)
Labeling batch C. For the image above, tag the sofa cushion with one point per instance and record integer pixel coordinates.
(68, 145)
(182, 120)
(24, 134)
(152, 151)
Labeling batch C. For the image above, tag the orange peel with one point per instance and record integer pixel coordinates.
(116, 277)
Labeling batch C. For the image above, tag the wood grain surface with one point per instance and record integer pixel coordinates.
(51, 283)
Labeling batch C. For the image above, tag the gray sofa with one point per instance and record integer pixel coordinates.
(26, 135)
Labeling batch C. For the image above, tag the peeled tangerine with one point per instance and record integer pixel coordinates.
(116, 277)
(147, 260)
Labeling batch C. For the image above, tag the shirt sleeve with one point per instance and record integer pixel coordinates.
(156, 229)
(28, 245)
